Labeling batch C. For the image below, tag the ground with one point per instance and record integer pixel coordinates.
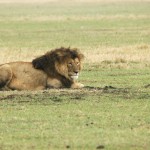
(112, 111)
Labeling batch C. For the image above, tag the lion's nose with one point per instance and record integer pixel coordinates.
(76, 72)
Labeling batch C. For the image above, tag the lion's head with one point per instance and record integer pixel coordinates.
(64, 62)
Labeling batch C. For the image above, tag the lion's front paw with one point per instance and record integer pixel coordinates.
(81, 85)
(77, 85)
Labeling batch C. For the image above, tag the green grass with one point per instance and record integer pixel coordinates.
(112, 111)
(115, 117)
(26, 25)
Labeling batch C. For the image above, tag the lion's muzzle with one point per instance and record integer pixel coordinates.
(75, 76)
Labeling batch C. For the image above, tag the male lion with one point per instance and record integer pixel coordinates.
(58, 68)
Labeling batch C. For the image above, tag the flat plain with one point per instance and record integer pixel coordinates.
(112, 111)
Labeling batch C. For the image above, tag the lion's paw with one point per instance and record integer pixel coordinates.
(77, 85)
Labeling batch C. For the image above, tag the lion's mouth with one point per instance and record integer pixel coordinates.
(75, 76)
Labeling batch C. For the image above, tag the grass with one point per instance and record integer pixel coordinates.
(112, 111)
(74, 24)
(80, 119)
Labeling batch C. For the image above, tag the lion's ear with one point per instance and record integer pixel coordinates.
(81, 56)
(40, 62)
(78, 54)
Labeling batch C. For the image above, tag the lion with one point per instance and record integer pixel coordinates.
(58, 68)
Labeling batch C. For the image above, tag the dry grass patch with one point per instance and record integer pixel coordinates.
(138, 53)
(77, 18)
(23, 54)
(102, 55)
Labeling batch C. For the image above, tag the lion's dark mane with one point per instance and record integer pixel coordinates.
(60, 55)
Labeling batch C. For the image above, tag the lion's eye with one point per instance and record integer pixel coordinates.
(78, 63)
(70, 64)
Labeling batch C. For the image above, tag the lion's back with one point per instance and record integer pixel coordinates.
(23, 76)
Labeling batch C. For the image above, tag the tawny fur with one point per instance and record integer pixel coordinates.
(55, 69)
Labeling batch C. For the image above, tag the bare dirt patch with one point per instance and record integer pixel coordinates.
(56, 95)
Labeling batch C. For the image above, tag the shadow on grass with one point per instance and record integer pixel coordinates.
(61, 95)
